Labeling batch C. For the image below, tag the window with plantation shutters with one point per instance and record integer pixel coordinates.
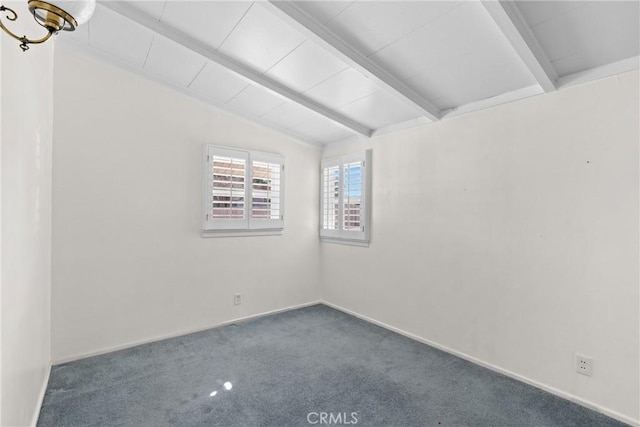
(243, 192)
(345, 199)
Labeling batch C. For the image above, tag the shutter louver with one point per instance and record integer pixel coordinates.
(265, 200)
(331, 198)
(228, 188)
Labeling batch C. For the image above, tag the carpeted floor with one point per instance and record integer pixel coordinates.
(312, 366)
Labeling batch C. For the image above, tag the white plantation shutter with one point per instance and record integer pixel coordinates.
(243, 190)
(267, 191)
(226, 190)
(345, 194)
(228, 187)
(331, 197)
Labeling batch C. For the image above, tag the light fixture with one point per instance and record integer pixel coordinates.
(54, 15)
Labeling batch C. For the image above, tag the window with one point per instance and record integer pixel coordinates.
(345, 198)
(243, 192)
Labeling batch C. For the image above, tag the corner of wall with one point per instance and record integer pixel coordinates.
(26, 117)
(1, 120)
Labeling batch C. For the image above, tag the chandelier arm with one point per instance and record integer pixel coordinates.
(12, 16)
(42, 40)
(9, 12)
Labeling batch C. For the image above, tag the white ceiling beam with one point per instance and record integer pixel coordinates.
(207, 52)
(510, 21)
(291, 14)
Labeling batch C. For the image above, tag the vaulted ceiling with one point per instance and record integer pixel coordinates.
(324, 71)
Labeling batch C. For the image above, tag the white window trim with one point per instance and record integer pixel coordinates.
(352, 238)
(242, 233)
(348, 242)
(246, 226)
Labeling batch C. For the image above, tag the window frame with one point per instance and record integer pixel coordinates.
(348, 237)
(247, 226)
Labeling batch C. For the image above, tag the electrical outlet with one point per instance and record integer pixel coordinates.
(237, 299)
(584, 365)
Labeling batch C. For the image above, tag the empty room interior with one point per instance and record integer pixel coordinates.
(298, 213)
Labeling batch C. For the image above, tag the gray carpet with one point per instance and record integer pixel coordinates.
(288, 369)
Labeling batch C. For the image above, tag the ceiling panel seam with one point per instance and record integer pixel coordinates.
(236, 95)
(326, 79)
(235, 26)
(360, 98)
(197, 74)
(217, 57)
(153, 38)
(285, 55)
(555, 16)
(300, 20)
(164, 7)
(418, 28)
(339, 13)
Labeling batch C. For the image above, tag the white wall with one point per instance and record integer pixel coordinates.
(511, 235)
(129, 264)
(25, 232)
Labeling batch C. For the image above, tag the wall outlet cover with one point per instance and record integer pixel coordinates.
(584, 365)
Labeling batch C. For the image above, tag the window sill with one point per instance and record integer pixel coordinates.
(242, 233)
(361, 243)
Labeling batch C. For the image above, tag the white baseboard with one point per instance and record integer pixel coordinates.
(552, 390)
(43, 390)
(179, 334)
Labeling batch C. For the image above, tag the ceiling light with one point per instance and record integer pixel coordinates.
(54, 15)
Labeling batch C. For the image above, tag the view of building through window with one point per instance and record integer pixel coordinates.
(352, 196)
